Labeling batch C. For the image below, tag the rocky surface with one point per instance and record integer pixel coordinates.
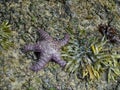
(57, 17)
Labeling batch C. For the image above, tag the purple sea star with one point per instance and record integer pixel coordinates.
(46, 49)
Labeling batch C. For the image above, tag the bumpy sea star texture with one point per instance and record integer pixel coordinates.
(47, 49)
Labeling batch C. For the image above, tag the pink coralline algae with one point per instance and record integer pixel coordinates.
(47, 49)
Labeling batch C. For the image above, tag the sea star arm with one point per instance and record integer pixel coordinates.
(40, 64)
(64, 41)
(58, 60)
(44, 35)
(30, 47)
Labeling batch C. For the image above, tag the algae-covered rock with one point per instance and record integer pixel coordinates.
(88, 54)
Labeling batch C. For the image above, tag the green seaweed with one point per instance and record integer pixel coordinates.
(5, 36)
(91, 56)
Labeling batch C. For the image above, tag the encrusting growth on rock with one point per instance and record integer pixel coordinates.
(46, 50)
(111, 33)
